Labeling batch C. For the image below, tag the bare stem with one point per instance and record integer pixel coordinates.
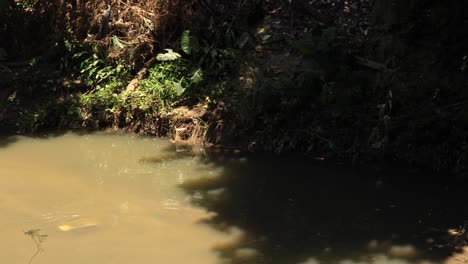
(38, 239)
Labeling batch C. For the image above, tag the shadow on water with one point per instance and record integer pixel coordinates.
(7, 139)
(297, 210)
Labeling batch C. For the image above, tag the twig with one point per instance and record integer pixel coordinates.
(139, 10)
(133, 84)
(38, 239)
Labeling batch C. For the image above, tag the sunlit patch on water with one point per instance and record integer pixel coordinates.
(98, 202)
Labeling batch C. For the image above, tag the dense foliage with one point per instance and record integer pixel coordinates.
(354, 80)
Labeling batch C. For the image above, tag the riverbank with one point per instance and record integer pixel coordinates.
(336, 80)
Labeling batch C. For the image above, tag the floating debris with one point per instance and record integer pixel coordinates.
(78, 225)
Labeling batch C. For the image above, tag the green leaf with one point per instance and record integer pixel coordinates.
(195, 44)
(213, 53)
(189, 43)
(117, 43)
(185, 42)
(169, 56)
(178, 88)
(197, 76)
(244, 38)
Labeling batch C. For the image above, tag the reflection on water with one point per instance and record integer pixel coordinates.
(99, 204)
(107, 198)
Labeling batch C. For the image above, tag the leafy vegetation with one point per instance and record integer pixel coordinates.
(353, 82)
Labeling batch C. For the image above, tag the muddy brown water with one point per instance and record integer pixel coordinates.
(99, 203)
(118, 198)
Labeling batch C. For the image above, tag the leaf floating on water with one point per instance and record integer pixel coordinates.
(77, 226)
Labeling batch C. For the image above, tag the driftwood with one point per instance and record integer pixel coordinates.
(140, 75)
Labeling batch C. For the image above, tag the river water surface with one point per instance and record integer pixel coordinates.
(121, 199)
(99, 201)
